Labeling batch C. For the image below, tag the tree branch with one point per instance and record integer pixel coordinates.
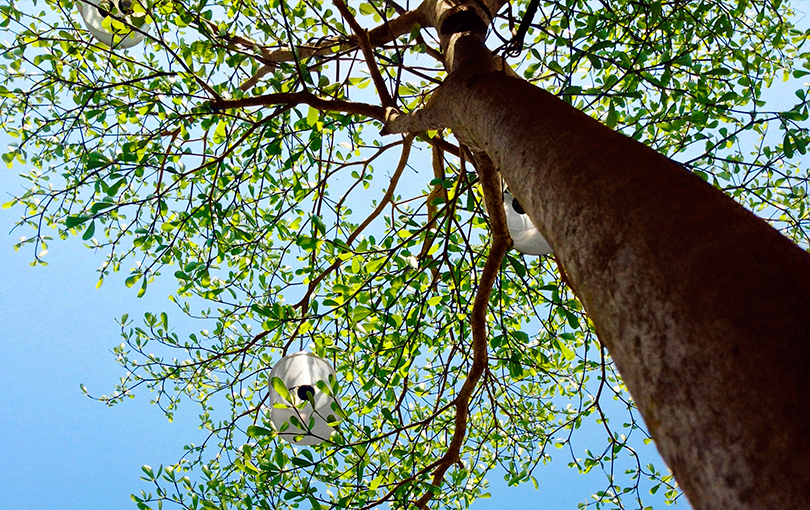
(365, 46)
(438, 191)
(410, 19)
(389, 194)
(378, 36)
(401, 25)
(444, 145)
(427, 119)
(294, 98)
(478, 320)
(258, 75)
(515, 46)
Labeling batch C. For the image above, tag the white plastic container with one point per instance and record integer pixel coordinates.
(525, 235)
(300, 373)
(94, 12)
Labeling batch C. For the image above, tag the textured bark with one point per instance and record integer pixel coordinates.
(704, 307)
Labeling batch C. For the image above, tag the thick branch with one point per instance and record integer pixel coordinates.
(426, 119)
(419, 19)
(444, 145)
(258, 75)
(493, 198)
(294, 98)
(438, 192)
(399, 26)
(501, 243)
(377, 37)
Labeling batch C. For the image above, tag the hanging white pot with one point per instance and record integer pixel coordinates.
(116, 23)
(302, 416)
(525, 235)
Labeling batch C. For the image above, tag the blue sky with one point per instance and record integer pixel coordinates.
(60, 448)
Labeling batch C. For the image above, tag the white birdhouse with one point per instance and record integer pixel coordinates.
(112, 21)
(525, 235)
(302, 417)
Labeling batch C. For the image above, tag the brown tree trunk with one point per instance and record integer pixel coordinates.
(704, 307)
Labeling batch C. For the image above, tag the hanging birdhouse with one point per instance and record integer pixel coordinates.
(116, 23)
(303, 405)
(525, 235)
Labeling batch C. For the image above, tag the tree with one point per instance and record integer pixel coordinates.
(234, 147)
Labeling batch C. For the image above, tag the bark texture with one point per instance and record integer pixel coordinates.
(704, 307)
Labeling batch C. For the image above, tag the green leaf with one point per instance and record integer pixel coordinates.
(142, 290)
(100, 206)
(517, 265)
(89, 231)
(204, 278)
(72, 221)
(324, 387)
(282, 390)
(573, 320)
(149, 473)
(312, 116)
(612, 117)
(566, 352)
(376, 483)
(221, 134)
(257, 431)
(300, 462)
(113, 190)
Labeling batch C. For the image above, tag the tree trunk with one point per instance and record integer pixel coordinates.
(704, 307)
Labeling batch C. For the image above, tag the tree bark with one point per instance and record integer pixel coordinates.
(704, 307)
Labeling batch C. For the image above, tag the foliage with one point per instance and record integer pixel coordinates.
(238, 150)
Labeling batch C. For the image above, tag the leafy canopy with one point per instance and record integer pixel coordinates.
(237, 151)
